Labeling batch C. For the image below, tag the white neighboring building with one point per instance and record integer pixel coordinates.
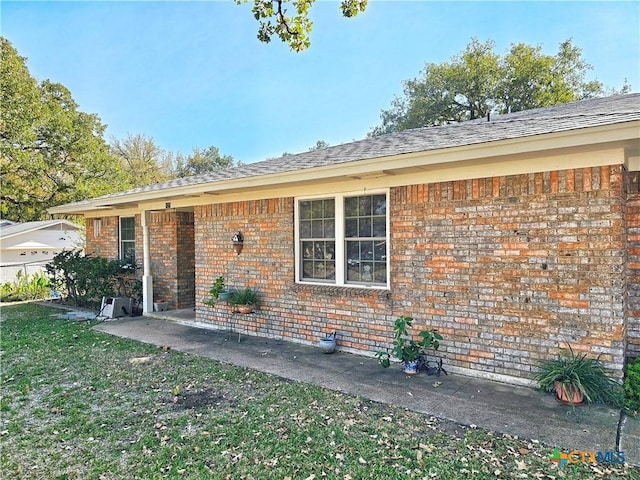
(29, 246)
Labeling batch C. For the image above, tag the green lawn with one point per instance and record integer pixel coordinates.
(80, 404)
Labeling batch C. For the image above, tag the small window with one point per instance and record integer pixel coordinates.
(128, 238)
(343, 240)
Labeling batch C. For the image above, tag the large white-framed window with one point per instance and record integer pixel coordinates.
(343, 239)
(128, 238)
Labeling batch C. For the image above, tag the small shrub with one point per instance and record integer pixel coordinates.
(84, 279)
(244, 296)
(34, 286)
(216, 289)
(582, 373)
(632, 387)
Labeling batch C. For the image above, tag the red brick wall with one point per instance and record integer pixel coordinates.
(633, 263)
(105, 242)
(185, 259)
(172, 258)
(510, 269)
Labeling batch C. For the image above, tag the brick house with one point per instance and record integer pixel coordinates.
(513, 235)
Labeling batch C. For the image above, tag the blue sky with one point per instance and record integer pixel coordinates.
(193, 74)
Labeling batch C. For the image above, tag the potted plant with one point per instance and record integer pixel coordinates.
(218, 291)
(328, 343)
(576, 379)
(408, 350)
(244, 300)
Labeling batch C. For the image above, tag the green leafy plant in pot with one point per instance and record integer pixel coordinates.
(576, 378)
(406, 349)
(218, 291)
(244, 300)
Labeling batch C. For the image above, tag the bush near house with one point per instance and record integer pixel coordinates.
(26, 287)
(632, 387)
(85, 279)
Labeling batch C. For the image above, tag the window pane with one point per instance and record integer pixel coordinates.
(380, 273)
(379, 227)
(366, 250)
(331, 271)
(353, 251)
(307, 249)
(351, 227)
(305, 229)
(380, 251)
(127, 228)
(351, 207)
(329, 208)
(379, 205)
(305, 210)
(366, 272)
(329, 228)
(317, 229)
(330, 250)
(128, 251)
(353, 273)
(364, 227)
(316, 209)
(307, 269)
(365, 206)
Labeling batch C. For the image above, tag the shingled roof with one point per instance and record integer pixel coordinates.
(571, 116)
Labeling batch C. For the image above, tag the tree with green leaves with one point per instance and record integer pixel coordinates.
(50, 152)
(141, 160)
(320, 144)
(202, 161)
(274, 19)
(478, 82)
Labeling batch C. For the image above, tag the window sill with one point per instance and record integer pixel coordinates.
(343, 291)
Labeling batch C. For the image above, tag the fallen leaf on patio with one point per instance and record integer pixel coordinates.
(437, 384)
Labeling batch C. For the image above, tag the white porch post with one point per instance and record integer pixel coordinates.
(147, 279)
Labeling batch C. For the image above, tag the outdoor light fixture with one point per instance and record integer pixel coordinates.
(238, 242)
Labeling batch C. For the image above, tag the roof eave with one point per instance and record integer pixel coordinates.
(604, 134)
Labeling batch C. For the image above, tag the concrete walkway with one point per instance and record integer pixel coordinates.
(520, 411)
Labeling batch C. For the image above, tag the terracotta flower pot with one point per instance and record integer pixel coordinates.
(245, 308)
(568, 394)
